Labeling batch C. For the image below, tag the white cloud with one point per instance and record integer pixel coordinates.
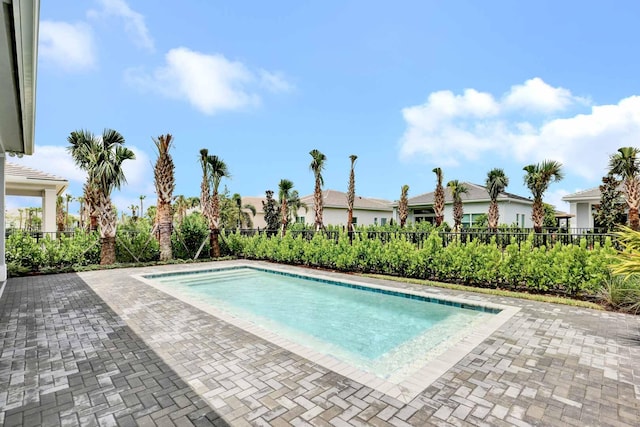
(209, 82)
(139, 172)
(54, 160)
(134, 22)
(449, 130)
(69, 46)
(537, 96)
(275, 82)
(57, 161)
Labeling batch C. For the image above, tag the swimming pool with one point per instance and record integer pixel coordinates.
(347, 326)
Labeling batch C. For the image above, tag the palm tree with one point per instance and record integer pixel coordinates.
(205, 197)
(496, 182)
(351, 195)
(180, 207)
(80, 150)
(102, 159)
(316, 166)
(403, 207)
(243, 216)
(284, 193)
(68, 198)
(59, 214)
(81, 212)
(457, 190)
(217, 170)
(537, 179)
(20, 211)
(626, 165)
(165, 183)
(438, 198)
(294, 204)
(134, 211)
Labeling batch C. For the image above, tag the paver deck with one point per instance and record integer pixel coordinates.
(102, 348)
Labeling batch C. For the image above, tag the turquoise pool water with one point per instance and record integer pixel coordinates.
(375, 331)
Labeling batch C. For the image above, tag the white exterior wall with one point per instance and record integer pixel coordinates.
(510, 211)
(584, 217)
(338, 216)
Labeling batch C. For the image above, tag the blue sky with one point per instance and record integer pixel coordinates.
(406, 86)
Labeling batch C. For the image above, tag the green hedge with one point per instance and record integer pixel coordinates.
(24, 253)
(566, 269)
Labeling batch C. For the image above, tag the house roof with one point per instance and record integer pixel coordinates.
(12, 169)
(590, 194)
(476, 193)
(338, 199)
(560, 214)
(21, 180)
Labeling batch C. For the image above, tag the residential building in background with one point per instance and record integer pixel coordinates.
(513, 209)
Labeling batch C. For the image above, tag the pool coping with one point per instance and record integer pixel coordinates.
(404, 389)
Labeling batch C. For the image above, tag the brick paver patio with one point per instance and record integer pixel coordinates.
(103, 348)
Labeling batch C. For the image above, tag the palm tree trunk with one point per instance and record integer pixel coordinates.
(164, 230)
(108, 250)
(634, 219)
(494, 214)
(317, 201)
(107, 220)
(215, 232)
(538, 216)
(283, 209)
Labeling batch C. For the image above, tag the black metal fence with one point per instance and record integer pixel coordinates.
(502, 238)
(548, 237)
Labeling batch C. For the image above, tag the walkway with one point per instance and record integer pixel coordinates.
(102, 347)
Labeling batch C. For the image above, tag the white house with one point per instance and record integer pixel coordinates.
(366, 211)
(18, 65)
(23, 181)
(513, 209)
(584, 204)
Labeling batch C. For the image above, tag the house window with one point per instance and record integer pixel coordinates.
(470, 219)
(299, 220)
(383, 221)
(375, 221)
(354, 220)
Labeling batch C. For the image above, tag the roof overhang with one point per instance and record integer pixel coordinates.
(20, 186)
(579, 199)
(18, 64)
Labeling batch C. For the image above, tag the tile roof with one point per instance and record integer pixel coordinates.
(476, 193)
(338, 199)
(589, 194)
(12, 169)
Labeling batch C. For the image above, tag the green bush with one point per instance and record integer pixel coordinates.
(568, 269)
(622, 293)
(134, 243)
(25, 253)
(188, 237)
